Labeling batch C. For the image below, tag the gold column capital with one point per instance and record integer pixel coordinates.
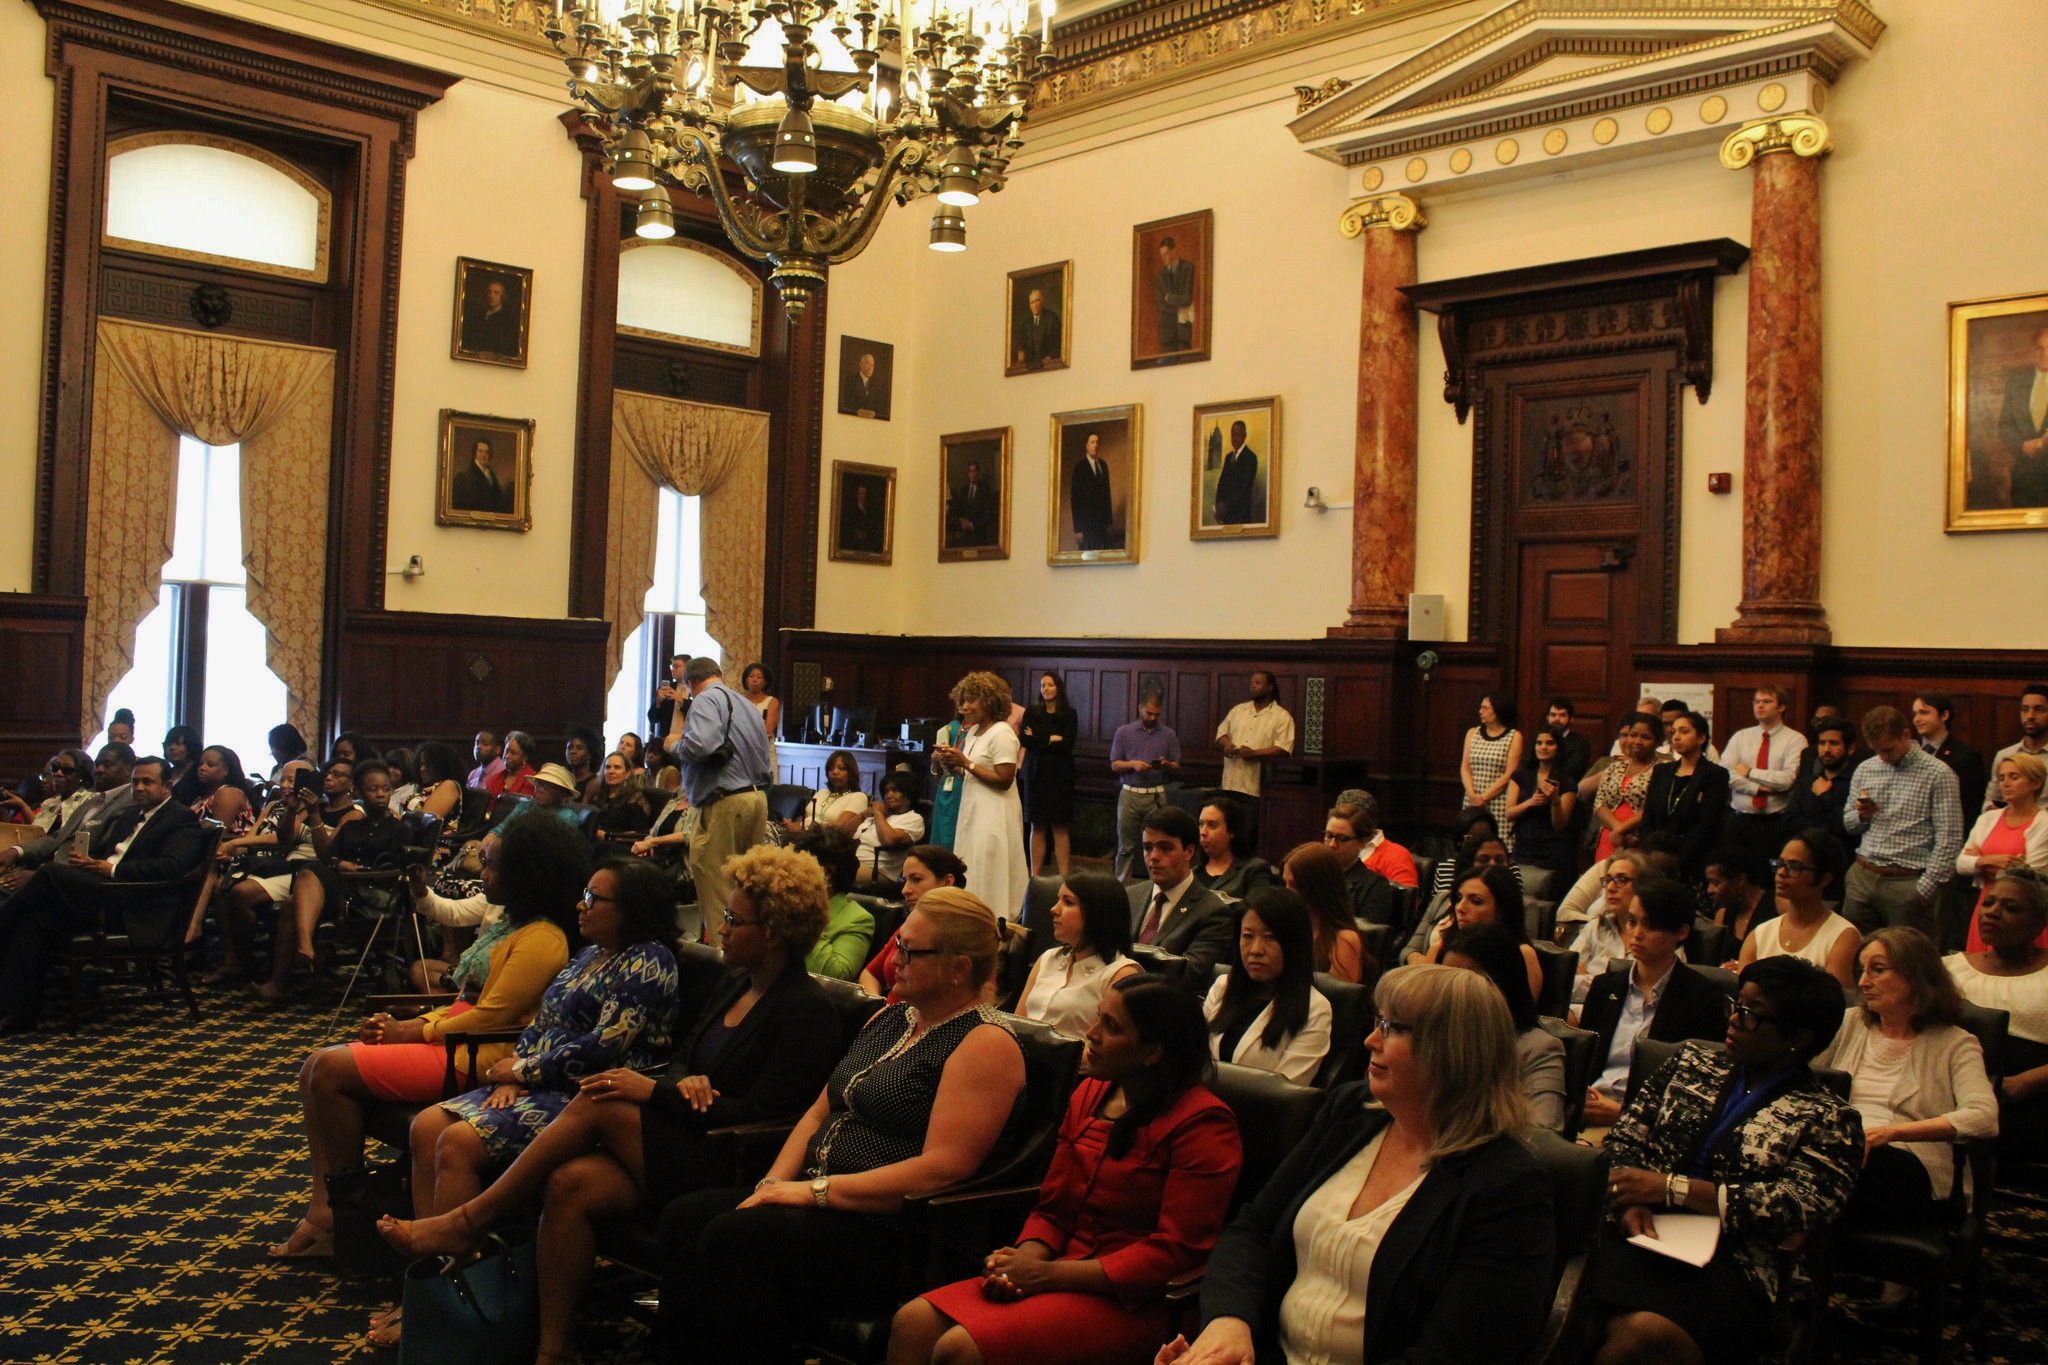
(1396, 211)
(1799, 134)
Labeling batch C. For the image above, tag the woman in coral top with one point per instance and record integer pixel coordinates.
(2015, 834)
(1138, 1191)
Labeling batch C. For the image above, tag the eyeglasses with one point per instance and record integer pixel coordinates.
(1792, 865)
(1330, 838)
(904, 950)
(1387, 1028)
(65, 768)
(1749, 1017)
(591, 898)
(733, 921)
(1618, 879)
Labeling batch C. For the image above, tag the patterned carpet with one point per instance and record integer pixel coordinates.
(148, 1164)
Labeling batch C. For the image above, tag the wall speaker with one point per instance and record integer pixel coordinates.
(1425, 616)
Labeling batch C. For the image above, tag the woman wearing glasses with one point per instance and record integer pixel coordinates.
(1805, 928)
(1603, 941)
(1410, 1223)
(917, 1104)
(758, 1053)
(1750, 1137)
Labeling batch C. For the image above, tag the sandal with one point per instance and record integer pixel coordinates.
(386, 1333)
(307, 1243)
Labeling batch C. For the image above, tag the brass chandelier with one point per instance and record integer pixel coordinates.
(825, 119)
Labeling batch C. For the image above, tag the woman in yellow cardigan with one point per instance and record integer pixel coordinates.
(533, 875)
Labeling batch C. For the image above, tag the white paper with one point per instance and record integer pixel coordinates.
(1688, 1237)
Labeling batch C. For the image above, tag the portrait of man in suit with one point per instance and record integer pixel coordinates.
(971, 512)
(1172, 281)
(481, 486)
(1237, 485)
(861, 520)
(2023, 426)
(1236, 466)
(1090, 500)
(485, 471)
(1095, 487)
(866, 376)
(974, 511)
(1175, 287)
(491, 303)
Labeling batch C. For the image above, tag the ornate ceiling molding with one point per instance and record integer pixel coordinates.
(1541, 83)
(515, 21)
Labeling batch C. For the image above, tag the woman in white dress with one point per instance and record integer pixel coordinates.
(990, 835)
(1092, 921)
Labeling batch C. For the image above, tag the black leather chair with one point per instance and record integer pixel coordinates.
(1578, 1186)
(1156, 960)
(1559, 966)
(473, 822)
(1379, 941)
(1581, 1068)
(786, 800)
(139, 944)
(1710, 945)
(1538, 884)
(1406, 899)
(1351, 1013)
(1648, 1055)
(1539, 917)
(853, 1005)
(1726, 981)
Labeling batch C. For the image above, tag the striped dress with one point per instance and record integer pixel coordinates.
(1489, 765)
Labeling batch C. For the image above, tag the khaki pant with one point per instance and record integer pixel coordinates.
(1871, 902)
(731, 825)
(1131, 810)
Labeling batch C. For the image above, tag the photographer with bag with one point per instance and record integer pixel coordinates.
(726, 772)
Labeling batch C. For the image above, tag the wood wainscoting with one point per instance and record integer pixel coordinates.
(42, 676)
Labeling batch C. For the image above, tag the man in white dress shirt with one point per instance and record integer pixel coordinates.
(1762, 762)
(1254, 733)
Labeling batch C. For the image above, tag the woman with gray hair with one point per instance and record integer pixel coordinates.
(1410, 1194)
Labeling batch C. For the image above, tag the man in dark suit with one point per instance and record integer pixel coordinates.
(1174, 287)
(491, 323)
(1650, 993)
(1237, 487)
(971, 513)
(1036, 337)
(2023, 426)
(860, 526)
(157, 839)
(1090, 499)
(479, 488)
(111, 797)
(1172, 910)
(861, 394)
(1931, 712)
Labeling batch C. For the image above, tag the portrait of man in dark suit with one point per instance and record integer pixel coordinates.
(1173, 278)
(491, 303)
(1175, 288)
(971, 511)
(974, 495)
(484, 472)
(1096, 483)
(1090, 501)
(1238, 497)
(866, 376)
(2023, 426)
(861, 497)
(482, 485)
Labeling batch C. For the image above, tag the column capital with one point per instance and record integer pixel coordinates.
(1799, 134)
(1396, 211)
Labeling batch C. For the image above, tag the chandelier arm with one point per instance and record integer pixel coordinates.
(844, 246)
(745, 235)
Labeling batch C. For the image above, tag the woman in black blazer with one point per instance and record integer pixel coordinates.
(1688, 796)
(761, 1050)
(1459, 1210)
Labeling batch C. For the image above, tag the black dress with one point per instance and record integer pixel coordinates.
(1048, 740)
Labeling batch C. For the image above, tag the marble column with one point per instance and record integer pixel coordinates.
(1781, 488)
(1383, 481)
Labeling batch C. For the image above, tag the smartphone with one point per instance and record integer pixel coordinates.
(305, 780)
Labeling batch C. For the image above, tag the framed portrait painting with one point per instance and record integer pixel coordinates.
(863, 513)
(1097, 477)
(1236, 471)
(1039, 306)
(867, 374)
(974, 495)
(1172, 280)
(1998, 414)
(486, 472)
(493, 312)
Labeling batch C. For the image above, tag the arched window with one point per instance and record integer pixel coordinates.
(196, 197)
(680, 290)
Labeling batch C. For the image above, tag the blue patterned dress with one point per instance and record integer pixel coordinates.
(598, 1014)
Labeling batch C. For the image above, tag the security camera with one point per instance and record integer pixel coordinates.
(1315, 498)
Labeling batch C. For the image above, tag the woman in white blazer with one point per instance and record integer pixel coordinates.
(1916, 1078)
(2015, 833)
(1265, 1011)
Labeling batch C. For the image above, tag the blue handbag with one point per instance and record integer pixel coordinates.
(484, 1313)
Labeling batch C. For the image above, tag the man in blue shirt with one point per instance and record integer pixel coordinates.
(726, 771)
(1143, 754)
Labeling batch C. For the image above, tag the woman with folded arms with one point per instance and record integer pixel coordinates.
(926, 867)
(1916, 1078)
(1409, 1224)
(1140, 1184)
(533, 875)
(1265, 1011)
(2012, 975)
(1092, 922)
(917, 1104)
(765, 1042)
(2012, 835)
(1223, 866)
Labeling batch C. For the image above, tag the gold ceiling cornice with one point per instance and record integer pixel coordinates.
(514, 21)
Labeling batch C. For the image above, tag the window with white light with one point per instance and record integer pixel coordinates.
(200, 657)
(674, 623)
(199, 197)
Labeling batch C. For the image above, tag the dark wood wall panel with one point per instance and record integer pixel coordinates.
(42, 678)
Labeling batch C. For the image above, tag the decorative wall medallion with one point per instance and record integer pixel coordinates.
(1374, 178)
(1605, 131)
(480, 668)
(1508, 150)
(1417, 168)
(1658, 121)
(1817, 96)
(1771, 98)
(1461, 161)
(1713, 109)
(211, 306)
(1554, 141)
(1584, 456)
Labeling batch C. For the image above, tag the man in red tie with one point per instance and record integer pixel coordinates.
(1762, 762)
(1173, 911)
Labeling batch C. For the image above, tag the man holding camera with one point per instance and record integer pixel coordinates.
(726, 771)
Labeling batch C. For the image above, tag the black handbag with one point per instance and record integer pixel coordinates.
(359, 1198)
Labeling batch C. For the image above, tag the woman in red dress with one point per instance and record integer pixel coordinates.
(2013, 834)
(1138, 1191)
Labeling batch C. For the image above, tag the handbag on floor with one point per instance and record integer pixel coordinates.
(484, 1313)
(359, 1198)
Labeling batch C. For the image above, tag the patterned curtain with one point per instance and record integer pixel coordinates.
(275, 400)
(718, 455)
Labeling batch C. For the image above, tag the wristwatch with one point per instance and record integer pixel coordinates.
(821, 1191)
(1676, 1190)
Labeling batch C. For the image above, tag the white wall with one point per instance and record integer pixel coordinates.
(26, 111)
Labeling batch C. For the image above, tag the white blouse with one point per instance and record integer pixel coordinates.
(1322, 1317)
(1299, 1056)
(2025, 998)
(1067, 992)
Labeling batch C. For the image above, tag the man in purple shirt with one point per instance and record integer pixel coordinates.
(1143, 755)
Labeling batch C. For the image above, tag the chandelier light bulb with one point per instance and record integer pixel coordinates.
(959, 183)
(633, 163)
(656, 220)
(796, 144)
(949, 230)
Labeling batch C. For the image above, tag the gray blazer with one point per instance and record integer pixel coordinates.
(87, 818)
(1202, 928)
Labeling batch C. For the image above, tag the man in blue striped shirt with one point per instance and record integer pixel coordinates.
(1905, 801)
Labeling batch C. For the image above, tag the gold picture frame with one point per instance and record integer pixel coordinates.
(1029, 349)
(1247, 508)
(863, 533)
(492, 331)
(492, 493)
(1996, 348)
(974, 518)
(1106, 527)
(1173, 278)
